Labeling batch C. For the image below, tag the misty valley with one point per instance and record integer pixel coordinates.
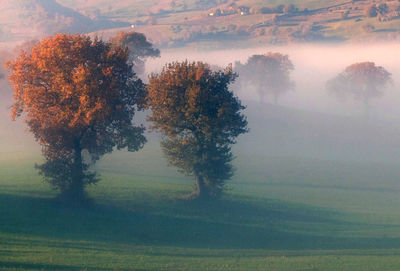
(155, 135)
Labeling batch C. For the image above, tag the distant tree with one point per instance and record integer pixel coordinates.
(368, 28)
(256, 10)
(345, 15)
(382, 8)
(232, 28)
(289, 9)
(152, 20)
(371, 11)
(4, 55)
(139, 48)
(200, 118)
(269, 73)
(279, 8)
(363, 81)
(79, 97)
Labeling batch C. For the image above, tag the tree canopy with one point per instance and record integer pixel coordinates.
(138, 46)
(268, 73)
(200, 118)
(78, 96)
(363, 81)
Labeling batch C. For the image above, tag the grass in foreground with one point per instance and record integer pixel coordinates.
(140, 222)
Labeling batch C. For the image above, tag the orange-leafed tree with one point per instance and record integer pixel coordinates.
(268, 73)
(200, 119)
(139, 48)
(363, 81)
(78, 96)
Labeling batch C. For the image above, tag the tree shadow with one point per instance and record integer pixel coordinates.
(44, 267)
(225, 224)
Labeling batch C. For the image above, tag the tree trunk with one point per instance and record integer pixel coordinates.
(77, 189)
(201, 188)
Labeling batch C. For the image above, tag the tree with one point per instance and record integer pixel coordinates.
(290, 9)
(3, 56)
(371, 11)
(200, 119)
(269, 73)
(139, 48)
(79, 96)
(382, 8)
(363, 81)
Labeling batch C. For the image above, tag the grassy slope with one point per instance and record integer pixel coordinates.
(281, 213)
(139, 223)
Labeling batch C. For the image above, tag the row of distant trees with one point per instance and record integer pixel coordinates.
(269, 74)
(79, 97)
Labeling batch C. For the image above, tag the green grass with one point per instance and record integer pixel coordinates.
(302, 215)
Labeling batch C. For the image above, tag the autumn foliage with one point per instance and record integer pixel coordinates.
(200, 118)
(78, 96)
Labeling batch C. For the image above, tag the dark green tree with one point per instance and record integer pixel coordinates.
(200, 119)
(78, 96)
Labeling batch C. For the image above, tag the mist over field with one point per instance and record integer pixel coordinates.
(313, 184)
(307, 122)
(314, 66)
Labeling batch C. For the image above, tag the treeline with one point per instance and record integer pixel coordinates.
(233, 8)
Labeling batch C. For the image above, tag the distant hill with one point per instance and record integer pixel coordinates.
(206, 23)
(28, 19)
(243, 23)
(212, 23)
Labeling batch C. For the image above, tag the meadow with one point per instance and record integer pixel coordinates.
(280, 212)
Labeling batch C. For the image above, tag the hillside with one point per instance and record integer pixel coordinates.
(204, 23)
(243, 23)
(29, 19)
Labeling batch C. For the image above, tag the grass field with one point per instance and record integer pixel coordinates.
(304, 215)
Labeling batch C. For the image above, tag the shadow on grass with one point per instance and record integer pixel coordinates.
(228, 223)
(43, 267)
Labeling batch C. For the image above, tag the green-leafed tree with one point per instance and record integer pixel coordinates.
(268, 73)
(139, 48)
(78, 96)
(363, 81)
(200, 119)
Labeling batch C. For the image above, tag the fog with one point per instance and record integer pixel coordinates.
(314, 65)
(307, 122)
